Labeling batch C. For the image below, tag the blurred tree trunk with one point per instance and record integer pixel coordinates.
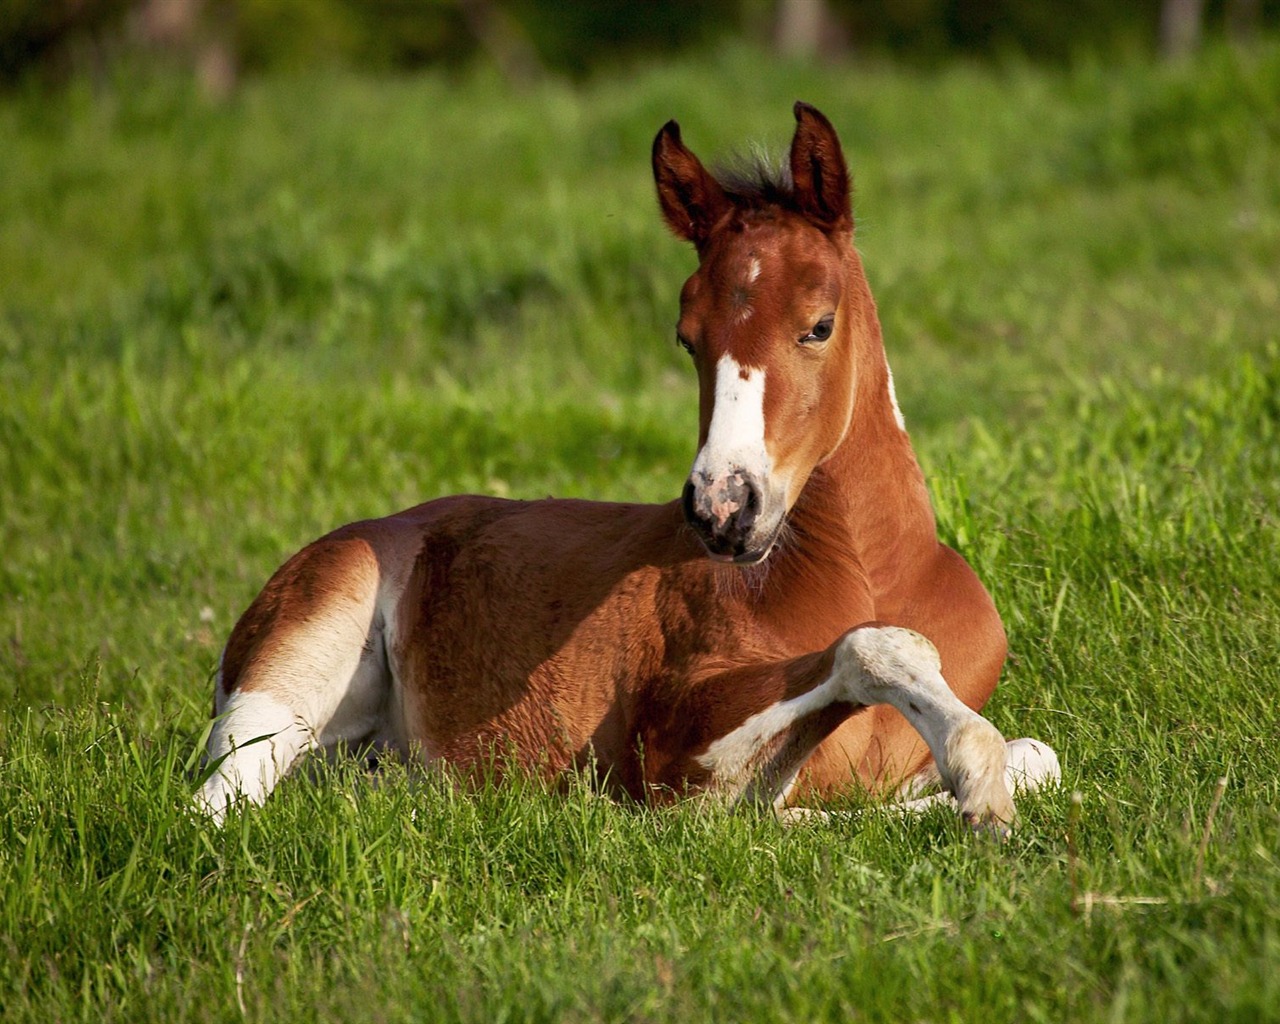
(1181, 23)
(806, 28)
(1243, 20)
(200, 33)
(502, 41)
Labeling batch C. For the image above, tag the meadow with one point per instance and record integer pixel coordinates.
(226, 329)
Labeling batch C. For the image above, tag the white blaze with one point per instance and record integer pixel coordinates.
(735, 439)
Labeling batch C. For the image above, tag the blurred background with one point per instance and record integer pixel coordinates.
(527, 39)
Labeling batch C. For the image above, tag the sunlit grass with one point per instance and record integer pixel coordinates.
(225, 330)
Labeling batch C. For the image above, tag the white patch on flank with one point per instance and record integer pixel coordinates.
(893, 399)
(730, 755)
(735, 440)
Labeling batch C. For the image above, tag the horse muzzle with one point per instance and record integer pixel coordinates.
(728, 515)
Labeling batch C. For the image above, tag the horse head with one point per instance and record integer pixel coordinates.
(768, 317)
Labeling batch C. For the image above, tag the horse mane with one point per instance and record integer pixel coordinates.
(755, 181)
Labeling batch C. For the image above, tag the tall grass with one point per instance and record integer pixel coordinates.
(225, 330)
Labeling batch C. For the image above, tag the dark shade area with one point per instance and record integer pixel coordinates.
(527, 38)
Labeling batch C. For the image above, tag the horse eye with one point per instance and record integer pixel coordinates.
(821, 330)
(684, 343)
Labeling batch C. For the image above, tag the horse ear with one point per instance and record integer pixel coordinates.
(818, 171)
(692, 201)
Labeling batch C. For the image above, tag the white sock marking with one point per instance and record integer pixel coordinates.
(895, 666)
(261, 737)
(1032, 765)
(733, 752)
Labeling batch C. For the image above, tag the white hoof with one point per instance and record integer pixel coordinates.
(1032, 765)
(975, 774)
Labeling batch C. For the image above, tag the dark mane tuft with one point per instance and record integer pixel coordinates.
(757, 181)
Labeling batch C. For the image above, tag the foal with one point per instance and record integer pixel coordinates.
(791, 628)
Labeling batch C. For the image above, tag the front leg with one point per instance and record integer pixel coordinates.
(743, 734)
(896, 666)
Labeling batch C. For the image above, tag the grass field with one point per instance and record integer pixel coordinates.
(225, 330)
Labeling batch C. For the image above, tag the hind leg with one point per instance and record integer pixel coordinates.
(261, 732)
(255, 740)
(305, 668)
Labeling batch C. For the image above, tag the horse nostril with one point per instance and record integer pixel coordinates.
(748, 503)
(687, 498)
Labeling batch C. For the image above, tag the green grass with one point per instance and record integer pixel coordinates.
(225, 330)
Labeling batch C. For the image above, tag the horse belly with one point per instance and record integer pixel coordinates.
(503, 654)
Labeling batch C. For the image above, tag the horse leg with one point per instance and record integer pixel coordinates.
(1032, 765)
(895, 666)
(304, 668)
(746, 733)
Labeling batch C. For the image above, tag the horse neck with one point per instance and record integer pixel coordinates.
(867, 503)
